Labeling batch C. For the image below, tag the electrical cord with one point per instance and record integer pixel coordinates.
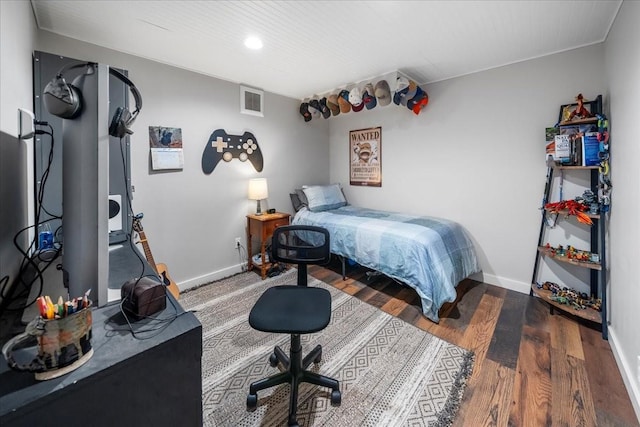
(29, 262)
(8, 292)
(162, 322)
(242, 256)
(132, 245)
(45, 174)
(124, 173)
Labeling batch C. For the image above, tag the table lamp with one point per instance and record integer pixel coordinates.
(258, 191)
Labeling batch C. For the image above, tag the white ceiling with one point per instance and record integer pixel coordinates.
(311, 47)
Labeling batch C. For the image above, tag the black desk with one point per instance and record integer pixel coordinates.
(125, 265)
(127, 382)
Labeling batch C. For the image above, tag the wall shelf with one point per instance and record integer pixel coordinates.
(563, 167)
(588, 120)
(565, 212)
(587, 313)
(562, 258)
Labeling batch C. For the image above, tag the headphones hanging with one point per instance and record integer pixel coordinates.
(123, 119)
(65, 100)
(61, 98)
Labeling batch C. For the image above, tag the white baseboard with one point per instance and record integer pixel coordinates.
(211, 277)
(491, 279)
(627, 372)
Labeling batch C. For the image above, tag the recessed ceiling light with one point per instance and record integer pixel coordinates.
(253, 43)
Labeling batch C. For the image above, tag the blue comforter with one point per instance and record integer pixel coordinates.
(432, 255)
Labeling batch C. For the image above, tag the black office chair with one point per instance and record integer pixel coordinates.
(295, 310)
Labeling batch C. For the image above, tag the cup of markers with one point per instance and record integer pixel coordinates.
(48, 310)
(63, 332)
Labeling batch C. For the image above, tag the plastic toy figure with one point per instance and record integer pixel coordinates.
(580, 110)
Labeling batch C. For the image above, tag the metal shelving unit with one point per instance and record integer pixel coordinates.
(597, 270)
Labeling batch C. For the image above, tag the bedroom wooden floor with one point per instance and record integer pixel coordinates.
(531, 368)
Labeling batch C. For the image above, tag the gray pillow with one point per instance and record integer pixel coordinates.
(295, 201)
(302, 197)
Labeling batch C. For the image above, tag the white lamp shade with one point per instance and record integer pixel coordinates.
(258, 189)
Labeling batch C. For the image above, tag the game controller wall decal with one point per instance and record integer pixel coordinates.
(222, 146)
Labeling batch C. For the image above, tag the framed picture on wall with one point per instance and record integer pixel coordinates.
(365, 157)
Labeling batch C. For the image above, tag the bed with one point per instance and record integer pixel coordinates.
(431, 255)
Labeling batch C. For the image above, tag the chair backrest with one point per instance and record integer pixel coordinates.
(301, 245)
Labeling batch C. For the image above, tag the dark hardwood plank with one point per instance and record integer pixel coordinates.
(397, 304)
(410, 314)
(324, 274)
(351, 288)
(505, 344)
(565, 373)
(381, 283)
(459, 315)
(377, 296)
(532, 387)
(490, 398)
(409, 295)
(565, 336)
(452, 335)
(366, 294)
(536, 314)
(479, 333)
(609, 393)
(572, 403)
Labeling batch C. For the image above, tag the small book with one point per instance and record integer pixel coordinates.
(574, 134)
(550, 137)
(563, 148)
(590, 149)
(576, 149)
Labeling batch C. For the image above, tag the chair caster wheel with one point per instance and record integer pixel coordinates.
(252, 402)
(336, 397)
(273, 360)
(293, 424)
(318, 358)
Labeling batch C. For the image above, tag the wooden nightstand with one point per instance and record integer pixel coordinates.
(261, 227)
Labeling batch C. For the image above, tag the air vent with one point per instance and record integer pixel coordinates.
(251, 101)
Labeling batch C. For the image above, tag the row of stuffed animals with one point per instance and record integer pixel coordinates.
(407, 94)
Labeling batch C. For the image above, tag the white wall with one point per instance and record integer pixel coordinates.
(475, 154)
(191, 218)
(17, 38)
(622, 59)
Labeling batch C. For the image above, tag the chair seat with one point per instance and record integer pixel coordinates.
(291, 310)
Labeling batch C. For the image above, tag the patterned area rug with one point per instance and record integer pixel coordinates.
(391, 373)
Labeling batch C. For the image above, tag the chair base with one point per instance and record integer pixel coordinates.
(295, 373)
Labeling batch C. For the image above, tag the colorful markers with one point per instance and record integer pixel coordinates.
(50, 310)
